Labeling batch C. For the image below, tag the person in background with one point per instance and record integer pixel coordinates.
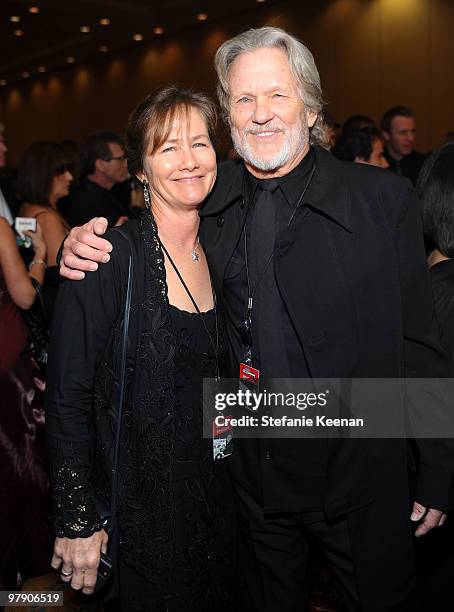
(357, 122)
(398, 129)
(449, 136)
(362, 146)
(435, 556)
(436, 191)
(102, 166)
(44, 176)
(25, 536)
(330, 130)
(8, 200)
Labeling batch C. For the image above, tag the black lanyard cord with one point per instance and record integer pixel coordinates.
(214, 346)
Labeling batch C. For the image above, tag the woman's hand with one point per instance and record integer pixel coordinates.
(38, 242)
(79, 559)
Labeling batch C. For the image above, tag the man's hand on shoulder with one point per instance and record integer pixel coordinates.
(83, 249)
(429, 518)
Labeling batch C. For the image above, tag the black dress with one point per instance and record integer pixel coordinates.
(203, 520)
(174, 510)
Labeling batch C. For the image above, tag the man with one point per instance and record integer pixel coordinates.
(327, 260)
(399, 132)
(8, 200)
(104, 165)
(362, 146)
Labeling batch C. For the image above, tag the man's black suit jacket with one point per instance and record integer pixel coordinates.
(353, 274)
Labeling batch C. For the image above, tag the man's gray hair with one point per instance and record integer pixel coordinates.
(301, 60)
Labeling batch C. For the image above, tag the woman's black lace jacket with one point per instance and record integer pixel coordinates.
(81, 394)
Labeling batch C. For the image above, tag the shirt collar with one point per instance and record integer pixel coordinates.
(328, 192)
(290, 184)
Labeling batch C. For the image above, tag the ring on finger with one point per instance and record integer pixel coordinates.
(66, 574)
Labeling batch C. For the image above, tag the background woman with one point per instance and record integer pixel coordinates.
(173, 501)
(44, 177)
(435, 186)
(25, 536)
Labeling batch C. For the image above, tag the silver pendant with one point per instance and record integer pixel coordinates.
(194, 256)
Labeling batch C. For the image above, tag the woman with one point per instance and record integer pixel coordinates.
(44, 177)
(25, 536)
(436, 190)
(435, 555)
(173, 502)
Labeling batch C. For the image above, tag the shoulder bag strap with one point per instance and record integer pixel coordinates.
(113, 504)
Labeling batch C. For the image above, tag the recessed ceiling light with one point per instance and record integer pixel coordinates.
(202, 16)
(85, 29)
(158, 30)
(105, 21)
(260, 0)
(33, 9)
(18, 32)
(42, 68)
(70, 59)
(14, 18)
(3, 82)
(25, 74)
(137, 37)
(103, 48)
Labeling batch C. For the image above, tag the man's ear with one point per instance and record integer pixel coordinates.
(386, 136)
(311, 117)
(100, 165)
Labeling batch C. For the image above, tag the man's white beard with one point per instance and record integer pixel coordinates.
(296, 140)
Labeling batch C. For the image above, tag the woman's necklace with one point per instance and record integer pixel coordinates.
(194, 254)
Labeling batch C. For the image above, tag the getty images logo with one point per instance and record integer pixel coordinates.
(254, 401)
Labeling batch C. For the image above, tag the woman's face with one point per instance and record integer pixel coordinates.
(182, 170)
(60, 185)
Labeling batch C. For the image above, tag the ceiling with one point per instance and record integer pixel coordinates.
(51, 37)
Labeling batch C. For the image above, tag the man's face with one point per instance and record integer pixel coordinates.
(116, 168)
(401, 139)
(3, 150)
(377, 157)
(268, 119)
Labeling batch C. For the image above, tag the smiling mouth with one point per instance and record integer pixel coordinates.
(265, 134)
(188, 179)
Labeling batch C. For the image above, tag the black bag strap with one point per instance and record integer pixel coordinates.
(40, 296)
(124, 346)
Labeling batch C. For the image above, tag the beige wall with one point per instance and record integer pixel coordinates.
(372, 54)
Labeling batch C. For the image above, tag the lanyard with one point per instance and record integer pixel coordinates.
(214, 346)
(245, 328)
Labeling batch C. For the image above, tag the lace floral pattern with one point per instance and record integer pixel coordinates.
(162, 538)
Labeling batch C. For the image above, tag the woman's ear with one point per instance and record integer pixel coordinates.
(141, 176)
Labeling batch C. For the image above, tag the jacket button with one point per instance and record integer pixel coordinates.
(242, 204)
(267, 455)
(220, 221)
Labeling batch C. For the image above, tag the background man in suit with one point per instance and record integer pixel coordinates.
(103, 162)
(327, 261)
(398, 128)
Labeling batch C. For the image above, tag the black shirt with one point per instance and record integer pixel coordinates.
(409, 166)
(90, 200)
(283, 474)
